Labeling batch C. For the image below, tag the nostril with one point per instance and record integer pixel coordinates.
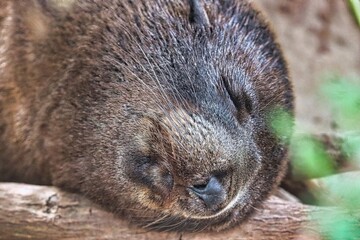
(212, 193)
(199, 187)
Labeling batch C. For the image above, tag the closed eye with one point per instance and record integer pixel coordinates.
(239, 98)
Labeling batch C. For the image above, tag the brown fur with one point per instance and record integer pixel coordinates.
(130, 103)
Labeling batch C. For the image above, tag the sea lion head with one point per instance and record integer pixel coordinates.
(182, 137)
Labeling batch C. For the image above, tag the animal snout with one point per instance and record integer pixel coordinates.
(212, 193)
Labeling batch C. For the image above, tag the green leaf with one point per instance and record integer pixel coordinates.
(309, 158)
(344, 97)
(281, 123)
(355, 7)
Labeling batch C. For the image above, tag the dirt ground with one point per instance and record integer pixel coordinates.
(319, 37)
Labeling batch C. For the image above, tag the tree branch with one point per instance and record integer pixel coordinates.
(41, 212)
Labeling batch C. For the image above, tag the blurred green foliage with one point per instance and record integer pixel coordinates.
(281, 122)
(343, 94)
(355, 8)
(310, 159)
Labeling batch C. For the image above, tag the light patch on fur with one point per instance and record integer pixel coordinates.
(37, 24)
(20, 117)
(5, 26)
(62, 4)
(6, 29)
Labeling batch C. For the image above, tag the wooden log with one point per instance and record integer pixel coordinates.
(42, 212)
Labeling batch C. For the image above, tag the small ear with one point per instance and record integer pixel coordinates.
(197, 15)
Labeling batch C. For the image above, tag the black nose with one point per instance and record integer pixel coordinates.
(212, 193)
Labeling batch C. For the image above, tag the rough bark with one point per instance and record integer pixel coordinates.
(42, 212)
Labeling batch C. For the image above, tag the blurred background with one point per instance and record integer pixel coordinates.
(320, 40)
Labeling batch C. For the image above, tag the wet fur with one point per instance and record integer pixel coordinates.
(128, 103)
